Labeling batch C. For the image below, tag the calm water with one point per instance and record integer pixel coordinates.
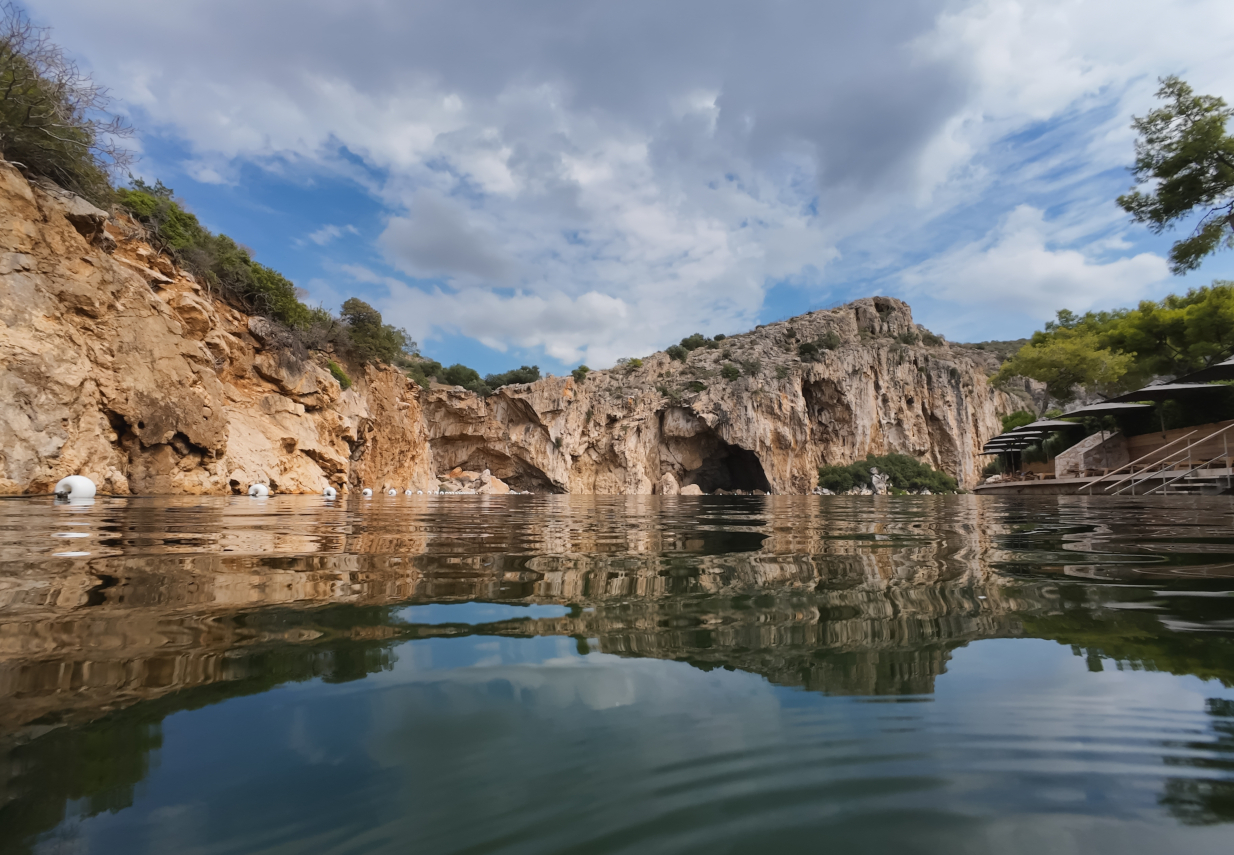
(617, 674)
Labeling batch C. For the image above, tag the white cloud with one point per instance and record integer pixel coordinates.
(598, 179)
(328, 233)
(1016, 269)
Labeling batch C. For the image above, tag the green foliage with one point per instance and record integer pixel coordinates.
(694, 342)
(781, 372)
(1017, 419)
(720, 337)
(678, 352)
(1067, 361)
(370, 339)
(996, 466)
(421, 370)
(904, 472)
(751, 367)
(630, 364)
(730, 371)
(460, 375)
(812, 351)
(54, 119)
(929, 339)
(908, 337)
(217, 259)
(524, 374)
(1125, 348)
(696, 385)
(1186, 158)
(339, 374)
(580, 374)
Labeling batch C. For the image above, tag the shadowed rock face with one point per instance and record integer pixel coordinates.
(121, 367)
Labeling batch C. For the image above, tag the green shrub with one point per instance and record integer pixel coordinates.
(929, 339)
(1019, 418)
(994, 467)
(751, 366)
(808, 351)
(524, 374)
(580, 374)
(905, 473)
(694, 342)
(460, 375)
(696, 386)
(908, 337)
(781, 372)
(54, 120)
(370, 339)
(720, 337)
(678, 352)
(730, 371)
(339, 374)
(630, 364)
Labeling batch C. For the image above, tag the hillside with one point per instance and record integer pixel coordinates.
(123, 367)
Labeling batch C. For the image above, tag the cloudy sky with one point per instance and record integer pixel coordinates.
(565, 182)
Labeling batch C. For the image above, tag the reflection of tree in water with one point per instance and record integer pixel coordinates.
(1206, 800)
(100, 764)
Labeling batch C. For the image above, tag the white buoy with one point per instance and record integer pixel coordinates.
(392, 492)
(259, 491)
(75, 487)
(330, 493)
(408, 493)
(367, 492)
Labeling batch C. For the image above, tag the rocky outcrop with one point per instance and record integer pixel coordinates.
(116, 365)
(748, 414)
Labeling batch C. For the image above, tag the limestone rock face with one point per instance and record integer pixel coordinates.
(116, 365)
(876, 390)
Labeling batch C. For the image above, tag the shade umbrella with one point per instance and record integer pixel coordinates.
(1106, 408)
(1220, 371)
(1167, 392)
(1042, 425)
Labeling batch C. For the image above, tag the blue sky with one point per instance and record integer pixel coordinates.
(565, 182)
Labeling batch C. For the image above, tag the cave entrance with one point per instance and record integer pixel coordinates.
(729, 467)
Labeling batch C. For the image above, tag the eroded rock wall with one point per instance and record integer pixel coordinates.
(878, 390)
(116, 365)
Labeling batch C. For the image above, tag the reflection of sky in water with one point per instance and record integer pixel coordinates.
(475, 612)
(523, 745)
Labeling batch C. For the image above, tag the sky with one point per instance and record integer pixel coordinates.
(558, 183)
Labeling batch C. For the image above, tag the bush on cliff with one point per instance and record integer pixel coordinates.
(217, 260)
(525, 374)
(370, 339)
(906, 473)
(54, 119)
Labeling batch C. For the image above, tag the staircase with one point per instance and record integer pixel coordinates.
(1179, 472)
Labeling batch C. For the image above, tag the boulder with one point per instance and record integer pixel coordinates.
(668, 485)
(691, 490)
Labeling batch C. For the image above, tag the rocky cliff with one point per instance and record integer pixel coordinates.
(116, 364)
(669, 424)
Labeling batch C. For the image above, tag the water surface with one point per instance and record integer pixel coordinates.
(617, 674)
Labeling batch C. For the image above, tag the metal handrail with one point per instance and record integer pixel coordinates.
(1190, 471)
(1161, 469)
(1092, 484)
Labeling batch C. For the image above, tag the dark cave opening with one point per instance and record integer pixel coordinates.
(730, 467)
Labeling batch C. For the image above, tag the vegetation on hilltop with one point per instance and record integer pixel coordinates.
(1120, 350)
(54, 119)
(55, 124)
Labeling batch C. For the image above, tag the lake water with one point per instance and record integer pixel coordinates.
(554, 674)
